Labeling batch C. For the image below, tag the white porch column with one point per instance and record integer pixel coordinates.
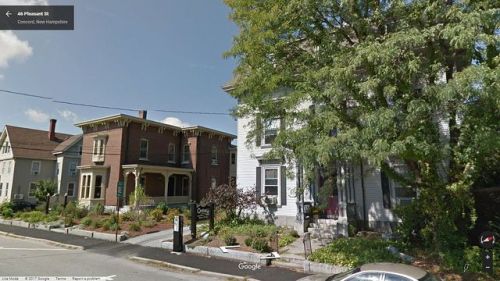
(137, 174)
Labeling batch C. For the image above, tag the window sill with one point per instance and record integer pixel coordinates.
(185, 162)
(171, 162)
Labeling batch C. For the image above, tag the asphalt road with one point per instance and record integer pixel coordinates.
(19, 257)
(123, 251)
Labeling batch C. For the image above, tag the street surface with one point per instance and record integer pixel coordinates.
(19, 257)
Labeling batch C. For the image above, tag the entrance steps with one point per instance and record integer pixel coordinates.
(324, 230)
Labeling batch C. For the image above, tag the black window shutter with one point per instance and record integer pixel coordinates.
(258, 127)
(283, 186)
(386, 192)
(258, 182)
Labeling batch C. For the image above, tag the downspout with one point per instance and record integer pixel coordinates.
(365, 219)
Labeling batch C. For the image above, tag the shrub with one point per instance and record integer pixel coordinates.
(260, 233)
(294, 233)
(7, 210)
(106, 225)
(171, 214)
(7, 213)
(69, 221)
(229, 239)
(134, 227)
(75, 211)
(127, 216)
(33, 217)
(163, 207)
(249, 241)
(261, 245)
(149, 223)
(98, 209)
(114, 227)
(156, 214)
(95, 224)
(352, 252)
(86, 221)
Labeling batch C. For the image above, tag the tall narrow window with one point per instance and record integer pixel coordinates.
(233, 158)
(271, 127)
(171, 153)
(98, 149)
(87, 187)
(185, 154)
(214, 156)
(1, 187)
(143, 152)
(35, 167)
(6, 189)
(98, 187)
(32, 190)
(71, 189)
(82, 186)
(72, 168)
(271, 181)
(213, 182)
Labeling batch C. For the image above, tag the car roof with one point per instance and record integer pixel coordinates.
(398, 268)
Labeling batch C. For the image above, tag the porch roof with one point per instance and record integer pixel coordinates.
(156, 169)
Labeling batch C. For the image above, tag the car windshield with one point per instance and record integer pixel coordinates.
(341, 275)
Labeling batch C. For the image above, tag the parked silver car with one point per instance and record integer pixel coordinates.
(377, 272)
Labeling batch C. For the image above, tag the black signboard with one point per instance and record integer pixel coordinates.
(202, 212)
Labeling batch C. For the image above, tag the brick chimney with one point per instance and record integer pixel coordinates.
(52, 130)
(143, 114)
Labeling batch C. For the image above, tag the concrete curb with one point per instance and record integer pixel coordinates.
(315, 267)
(56, 244)
(187, 268)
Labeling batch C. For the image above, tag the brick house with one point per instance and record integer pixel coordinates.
(173, 164)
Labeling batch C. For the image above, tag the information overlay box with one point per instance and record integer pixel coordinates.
(37, 18)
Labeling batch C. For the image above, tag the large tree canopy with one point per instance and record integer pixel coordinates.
(410, 81)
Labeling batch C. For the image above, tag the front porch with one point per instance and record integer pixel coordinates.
(171, 185)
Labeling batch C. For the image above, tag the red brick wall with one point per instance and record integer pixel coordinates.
(204, 168)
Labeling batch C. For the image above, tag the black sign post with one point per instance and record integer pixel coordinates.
(119, 195)
(194, 220)
(211, 216)
(487, 241)
(178, 226)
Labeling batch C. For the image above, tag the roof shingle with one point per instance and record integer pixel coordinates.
(33, 144)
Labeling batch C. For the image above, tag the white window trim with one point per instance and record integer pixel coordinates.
(147, 149)
(39, 167)
(184, 155)
(168, 153)
(263, 182)
(97, 156)
(74, 188)
(29, 189)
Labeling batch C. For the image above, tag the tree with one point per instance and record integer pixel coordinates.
(384, 78)
(232, 200)
(44, 187)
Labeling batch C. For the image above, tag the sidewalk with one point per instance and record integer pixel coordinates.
(123, 250)
(153, 239)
